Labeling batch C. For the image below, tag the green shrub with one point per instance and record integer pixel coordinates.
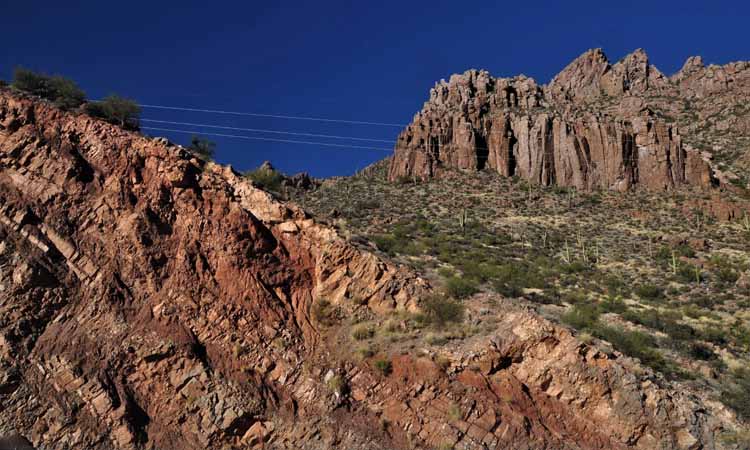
(362, 332)
(737, 394)
(511, 279)
(461, 287)
(575, 267)
(385, 242)
(383, 366)
(702, 352)
(202, 147)
(64, 92)
(116, 110)
(365, 352)
(714, 335)
(615, 285)
(725, 270)
(267, 178)
(727, 275)
(637, 345)
(661, 322)
(613, 305)
(29, 81)
(632, 343)
(582, 316)
(688, 273)
(337, 384)
(649, 291)
(441, 311)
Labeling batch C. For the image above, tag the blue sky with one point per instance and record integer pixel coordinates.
(360, 61)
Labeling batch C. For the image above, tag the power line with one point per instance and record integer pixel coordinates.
(274, 116)
(258, 130)
(265, 139)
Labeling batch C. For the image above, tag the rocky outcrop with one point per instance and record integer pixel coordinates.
(595, 125)
(142, 288)
(151, 300)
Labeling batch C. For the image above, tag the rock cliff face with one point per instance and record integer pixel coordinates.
(595, 125)
(151, 300)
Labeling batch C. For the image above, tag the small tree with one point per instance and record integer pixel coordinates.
(64, 92)
(202, 147)
(29, 81)
(117, 110)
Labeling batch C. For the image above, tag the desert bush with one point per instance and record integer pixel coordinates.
(267, 178)
(689, 273)
(725, 270)
(461, 287)
(365, 352)
(702, 352)
(440, 311)
(362, 332)
(64, 92)
(385, 242)
(637, 345)
(661, 322)
(666, 254)
(383, 366)
(714, 335)
(613, 305)
(32, 82)
(202, 147)
(337, 384)
(737, 394)
(116, 110)
(649, 291)
(615, 285)
(582, 316)
(511, 279)
(436, 339)
(575, 267)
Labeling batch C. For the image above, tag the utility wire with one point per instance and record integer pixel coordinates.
(265, 139)
(258, 130)
(274, 116)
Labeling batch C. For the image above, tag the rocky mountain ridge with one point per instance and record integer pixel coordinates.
(596, 125)
(153, 300)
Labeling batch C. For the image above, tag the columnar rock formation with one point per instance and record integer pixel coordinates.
(151, 300)
(593, 126)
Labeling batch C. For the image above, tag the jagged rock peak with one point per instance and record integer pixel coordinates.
(555, 134)
(581, 78)
(692, 63)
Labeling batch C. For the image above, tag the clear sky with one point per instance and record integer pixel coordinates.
(352, 60)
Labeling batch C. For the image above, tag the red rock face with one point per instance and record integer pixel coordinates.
(590, 128)
(150, 300)
(145, 287)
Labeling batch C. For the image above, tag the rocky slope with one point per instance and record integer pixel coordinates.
(595, 125)
(149, 299)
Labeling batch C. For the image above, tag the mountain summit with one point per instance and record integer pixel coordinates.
(615, 126)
